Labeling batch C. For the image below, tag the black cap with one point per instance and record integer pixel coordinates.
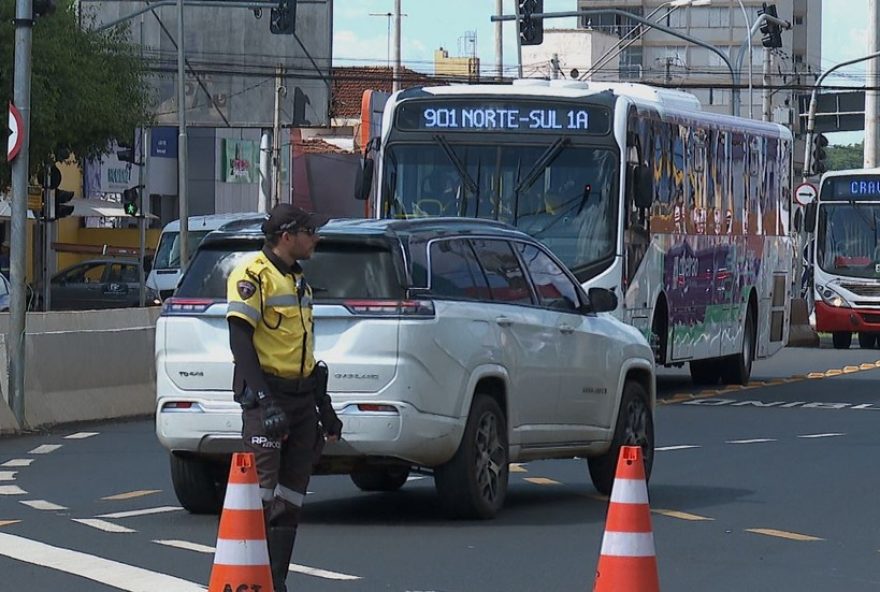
(287, 217)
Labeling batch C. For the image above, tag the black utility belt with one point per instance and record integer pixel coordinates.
(291, 386)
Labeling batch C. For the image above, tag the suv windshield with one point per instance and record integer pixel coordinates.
(337, 270)
(849, 239)
(562, 194)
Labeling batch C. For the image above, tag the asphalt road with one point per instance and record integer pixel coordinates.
(767, 487)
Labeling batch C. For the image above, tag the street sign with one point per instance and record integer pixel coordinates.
(15, 133)
(805, 194)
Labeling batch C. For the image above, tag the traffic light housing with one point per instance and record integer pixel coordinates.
(60, 201)
(131, 201)
(818, 154)
(772, 32)
(283, 18)
(531, 30)
(56, 204)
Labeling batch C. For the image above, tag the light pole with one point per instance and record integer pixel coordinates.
(181, 141)
(618, 49)
(748, 40)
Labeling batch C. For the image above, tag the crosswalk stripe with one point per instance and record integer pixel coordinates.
(42, 505)
(145, 512)
(18, 462)
(12, 490)
(104, 571)
(7, 475)
(8, 522)
(131, 494)
(303, 569)
(541, 481)
(45, 449)
(80, 435)
(103, 525)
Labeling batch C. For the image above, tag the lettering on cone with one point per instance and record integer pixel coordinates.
(243, 588)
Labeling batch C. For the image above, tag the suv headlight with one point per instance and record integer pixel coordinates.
(831, 297)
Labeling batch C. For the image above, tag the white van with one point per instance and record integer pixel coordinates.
(165, 271)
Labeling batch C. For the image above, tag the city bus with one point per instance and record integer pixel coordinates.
(681, 212)
(845, 256)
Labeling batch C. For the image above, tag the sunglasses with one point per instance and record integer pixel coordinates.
(308, 230)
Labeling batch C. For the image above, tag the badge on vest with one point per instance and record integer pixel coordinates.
(246, 289)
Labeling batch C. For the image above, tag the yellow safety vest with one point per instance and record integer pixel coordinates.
(278, 306)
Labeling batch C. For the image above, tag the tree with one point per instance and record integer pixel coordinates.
(87, 87)
(851, 156)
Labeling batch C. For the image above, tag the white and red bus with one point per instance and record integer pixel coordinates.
(845, 258)
(683, 213)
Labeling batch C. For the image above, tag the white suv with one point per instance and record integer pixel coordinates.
(455, 346)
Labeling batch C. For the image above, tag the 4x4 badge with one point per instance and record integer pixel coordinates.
(246, 289)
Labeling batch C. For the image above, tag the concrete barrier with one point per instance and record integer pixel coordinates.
(801, 334)
(84, 366)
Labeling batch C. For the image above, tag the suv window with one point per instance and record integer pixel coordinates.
(455, 272)
(555, 290)
(337, 270)
(507, 283)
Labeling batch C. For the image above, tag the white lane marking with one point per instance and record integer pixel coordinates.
(12, 490)
(103, 525)
(7, 475)
(681, 447)
(42, 505)
(752, 441)
(104, 571)
(828, 435)
(45, 449)
(80, 435)
(303, 569)
(145, 512)
(517, 468)
(18, 462)
(131, 494)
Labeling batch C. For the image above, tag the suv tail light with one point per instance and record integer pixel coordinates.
(391, 308)
(186, 306)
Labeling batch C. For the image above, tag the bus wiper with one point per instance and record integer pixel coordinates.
(459, 167)
(542, 163)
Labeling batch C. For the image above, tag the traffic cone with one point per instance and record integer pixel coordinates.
(627, 562)
(241, 561)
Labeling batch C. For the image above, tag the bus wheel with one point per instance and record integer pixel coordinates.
(738, 368)
(867, 340)
(841, 339)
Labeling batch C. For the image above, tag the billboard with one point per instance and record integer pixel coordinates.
(234, 64)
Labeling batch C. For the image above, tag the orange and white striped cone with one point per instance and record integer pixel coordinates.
(627, 562)
(241, 561)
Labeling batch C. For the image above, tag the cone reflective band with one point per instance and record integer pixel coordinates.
(241, 561)
(628, 562)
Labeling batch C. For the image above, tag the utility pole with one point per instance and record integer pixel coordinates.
(765, 82)
(499, 41)
(24, 21)
(181, 141)
(872, 97)
(395, 72)
(280, 91)
(142, 219)
(554, 67)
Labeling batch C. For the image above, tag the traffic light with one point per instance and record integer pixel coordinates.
(125, 153)
(531, 30)
(772, 31)
(61, 207)
(283, 18)
(818, 154)
(131, 201)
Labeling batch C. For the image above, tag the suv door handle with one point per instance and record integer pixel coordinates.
(504, 321)
(566, 329)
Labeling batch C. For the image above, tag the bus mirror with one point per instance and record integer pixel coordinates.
(643, 186)
(364, 180)
(810, 218)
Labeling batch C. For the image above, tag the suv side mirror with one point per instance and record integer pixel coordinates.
(364, 180)
(810, 218)
(602, 300)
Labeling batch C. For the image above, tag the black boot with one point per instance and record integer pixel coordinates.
(280, 540)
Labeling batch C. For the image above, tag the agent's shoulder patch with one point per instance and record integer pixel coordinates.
(246, 289)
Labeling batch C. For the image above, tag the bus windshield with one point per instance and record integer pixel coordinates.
(848, 239)
(562, 194)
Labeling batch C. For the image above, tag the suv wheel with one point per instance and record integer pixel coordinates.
(380, 479)
(196, 485)
(473, 483)
(635, 427)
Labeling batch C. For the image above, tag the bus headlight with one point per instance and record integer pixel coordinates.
(832, 298)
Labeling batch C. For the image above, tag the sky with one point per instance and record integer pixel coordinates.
(361, 34)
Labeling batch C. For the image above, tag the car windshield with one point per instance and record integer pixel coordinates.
(849, 239)
(168, 252)
(337, 270)
(561, 194)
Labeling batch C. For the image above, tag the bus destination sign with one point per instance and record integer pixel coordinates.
(506, 116)
(852, 188)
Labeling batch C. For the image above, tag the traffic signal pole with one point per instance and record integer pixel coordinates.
(811, 115)
(872, 96)
(18, 245)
